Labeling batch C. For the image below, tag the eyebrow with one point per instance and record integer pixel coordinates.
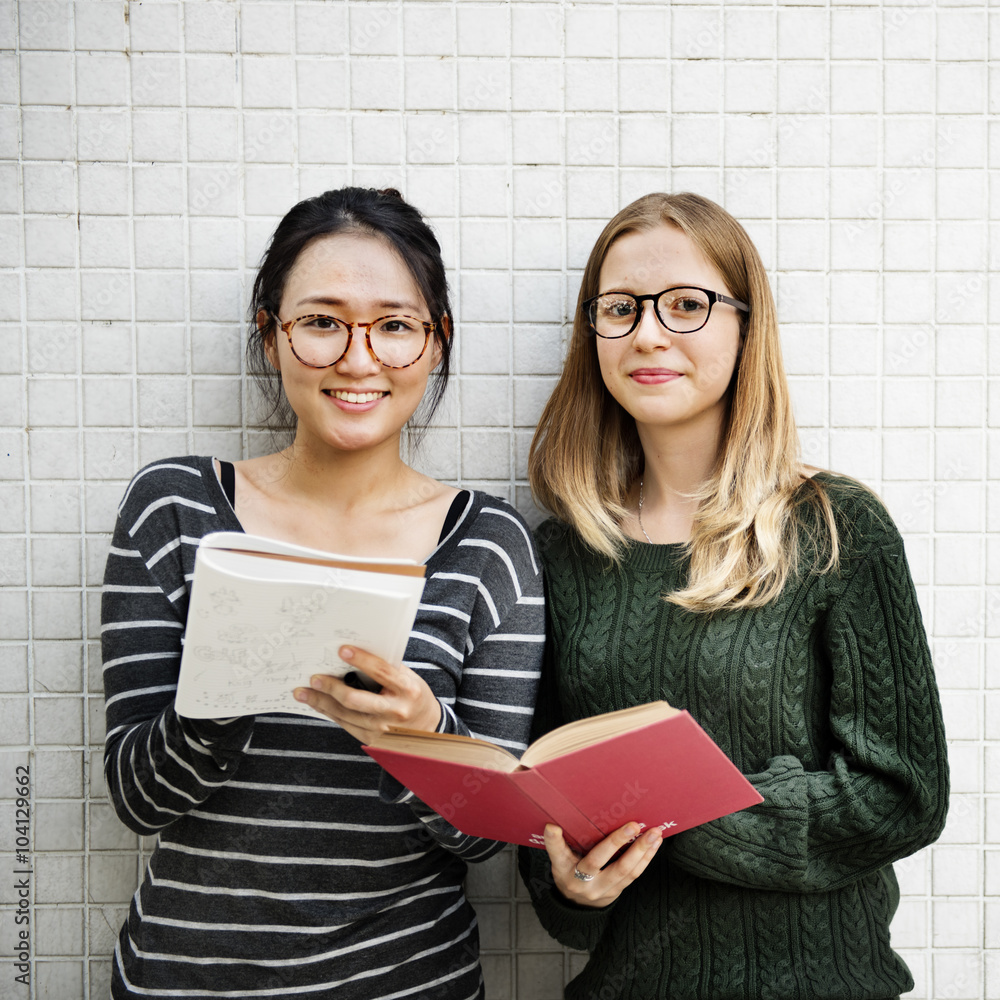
(334, 302)
(630, 291)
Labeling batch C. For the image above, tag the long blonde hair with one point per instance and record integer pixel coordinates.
(586, 454)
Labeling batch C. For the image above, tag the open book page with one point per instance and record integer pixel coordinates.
(565, 739)
(584, 732)
(260, 626)
(448, 746)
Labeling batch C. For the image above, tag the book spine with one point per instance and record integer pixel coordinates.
(580, 832)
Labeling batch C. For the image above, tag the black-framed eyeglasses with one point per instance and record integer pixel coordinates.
(320, 341)
(680, 309)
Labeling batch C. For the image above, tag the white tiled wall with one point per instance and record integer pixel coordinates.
(147, 150)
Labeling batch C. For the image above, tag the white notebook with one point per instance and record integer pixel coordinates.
(265, 616)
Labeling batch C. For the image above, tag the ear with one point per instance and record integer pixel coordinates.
(267, 324)
(445, 332)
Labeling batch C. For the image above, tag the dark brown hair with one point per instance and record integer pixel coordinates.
(383, 214)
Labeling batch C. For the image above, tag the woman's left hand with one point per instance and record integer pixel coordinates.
(404, 698)
(594, 879)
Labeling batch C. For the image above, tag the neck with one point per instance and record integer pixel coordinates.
(677, 463)
(344, 481)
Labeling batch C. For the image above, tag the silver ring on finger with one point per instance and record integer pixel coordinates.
(582, 876)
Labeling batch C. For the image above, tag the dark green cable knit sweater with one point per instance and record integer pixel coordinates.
(826, 700)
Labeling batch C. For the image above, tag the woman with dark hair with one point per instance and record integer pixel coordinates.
(694, 558)
(287, 863)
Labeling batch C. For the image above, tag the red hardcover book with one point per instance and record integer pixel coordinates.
(652, 764)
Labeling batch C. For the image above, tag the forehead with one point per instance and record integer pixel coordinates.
(651, 260)
(351, 265)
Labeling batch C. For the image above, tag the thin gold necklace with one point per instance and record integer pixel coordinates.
(641, 528)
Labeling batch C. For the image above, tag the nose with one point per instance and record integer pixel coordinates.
(358, 359)
(650, 334)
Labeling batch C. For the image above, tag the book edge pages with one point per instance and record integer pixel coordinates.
(257, 545)
(418, 743)
(387, 569)
(595, 729)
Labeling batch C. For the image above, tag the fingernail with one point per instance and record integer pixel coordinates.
(346, 653)
(300, 695)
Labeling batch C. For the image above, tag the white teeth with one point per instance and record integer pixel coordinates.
(356, 397)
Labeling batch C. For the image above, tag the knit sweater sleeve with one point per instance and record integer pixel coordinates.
(157, 765)
(883, 793)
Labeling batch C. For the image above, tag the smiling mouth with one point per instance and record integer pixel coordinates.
(356, 397)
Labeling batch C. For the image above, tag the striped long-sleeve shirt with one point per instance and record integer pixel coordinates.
(287, 863)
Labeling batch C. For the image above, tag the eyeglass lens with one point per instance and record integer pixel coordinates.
(320, 341)
(682, 310)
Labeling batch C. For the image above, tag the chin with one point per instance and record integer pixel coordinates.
(340, 439)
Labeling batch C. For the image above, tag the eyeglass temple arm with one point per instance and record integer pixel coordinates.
(735, 303)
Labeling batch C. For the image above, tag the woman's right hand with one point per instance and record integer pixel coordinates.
(608, 882)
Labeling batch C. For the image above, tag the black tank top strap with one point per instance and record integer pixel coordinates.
(454, 512)
(227, 476)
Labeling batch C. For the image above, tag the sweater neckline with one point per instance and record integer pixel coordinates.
(657, 555)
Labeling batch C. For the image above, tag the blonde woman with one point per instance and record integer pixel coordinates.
(693, 557)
